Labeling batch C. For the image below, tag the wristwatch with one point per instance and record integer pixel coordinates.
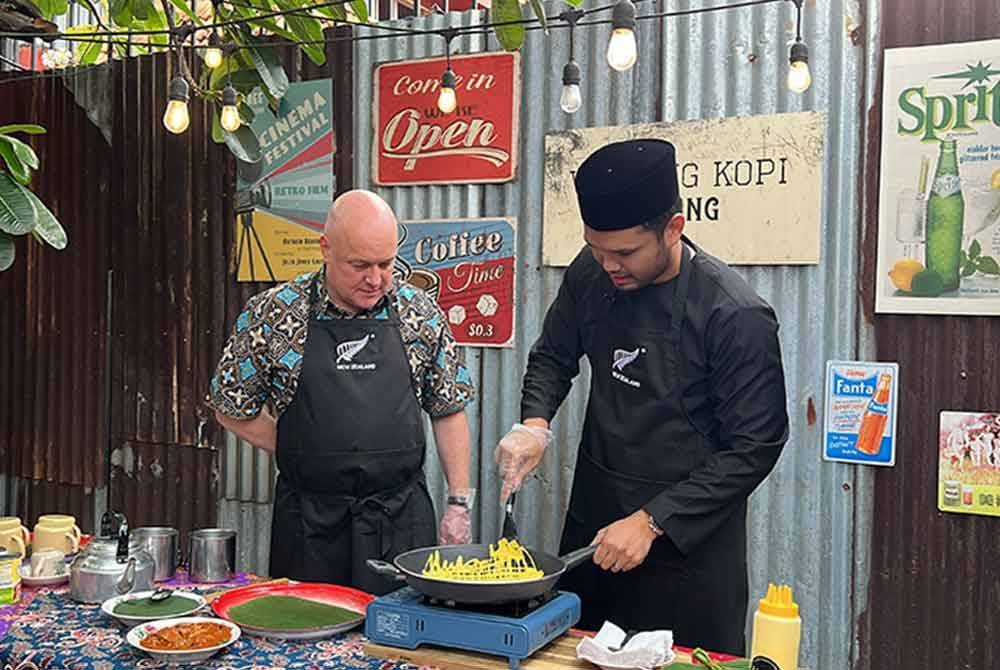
(653, 526)
(461, 501)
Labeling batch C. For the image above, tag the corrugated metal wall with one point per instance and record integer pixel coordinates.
(52, 317)
(804, 520)
(935, 578)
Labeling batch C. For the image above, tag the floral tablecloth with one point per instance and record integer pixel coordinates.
(47, 630)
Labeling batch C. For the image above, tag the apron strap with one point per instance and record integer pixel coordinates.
(680, 297)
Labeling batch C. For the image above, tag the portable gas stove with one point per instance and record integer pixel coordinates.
(406, 618)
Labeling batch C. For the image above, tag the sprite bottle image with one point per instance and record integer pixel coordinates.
(945, 217)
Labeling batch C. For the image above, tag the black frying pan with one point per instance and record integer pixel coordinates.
(409, 565)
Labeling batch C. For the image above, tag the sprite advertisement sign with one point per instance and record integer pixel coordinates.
(939, 196)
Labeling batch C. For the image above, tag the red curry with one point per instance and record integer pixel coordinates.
(187, 636)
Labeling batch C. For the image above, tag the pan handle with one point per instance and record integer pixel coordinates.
(575, 558)
(385, 569)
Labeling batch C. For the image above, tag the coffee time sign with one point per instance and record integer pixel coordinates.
(415, 143)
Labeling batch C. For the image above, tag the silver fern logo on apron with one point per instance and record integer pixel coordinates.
(621, 358)
(346, 351)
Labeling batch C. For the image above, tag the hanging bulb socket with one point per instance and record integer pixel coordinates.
(570, 100)
(622, 51)
(229, 119)
(176, 118)
(447, 101)
(799, 77)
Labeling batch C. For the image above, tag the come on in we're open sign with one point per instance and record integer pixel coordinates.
(415, 143)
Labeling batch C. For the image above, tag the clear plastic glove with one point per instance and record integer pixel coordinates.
(518, 453)
(455, 526)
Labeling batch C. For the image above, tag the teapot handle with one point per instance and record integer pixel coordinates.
(121, 556)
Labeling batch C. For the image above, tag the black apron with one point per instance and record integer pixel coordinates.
(350, 454)
(637, 441)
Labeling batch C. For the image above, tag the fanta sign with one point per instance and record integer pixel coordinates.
(415, 143)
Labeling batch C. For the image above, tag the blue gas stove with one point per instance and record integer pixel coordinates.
(408, 619)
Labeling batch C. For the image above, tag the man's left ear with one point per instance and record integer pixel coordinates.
(674, 229)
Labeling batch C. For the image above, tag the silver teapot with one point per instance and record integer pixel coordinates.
(111, 565)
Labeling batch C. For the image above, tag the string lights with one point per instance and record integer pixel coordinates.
(799, 77)
(571, 99)
(447, 101)
(622, 52)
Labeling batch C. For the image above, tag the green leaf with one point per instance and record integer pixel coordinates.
(511, 36)
(218, 134)
(360, 10)
(17, 211)
(573, 3)
(48, 227)
(121, 12)
(336, 12)
(975, 249)
(308, 31)
(968, 268)
(143, 9)
(28, 128)
(7, 251)
(188, 12)
(59, 7)
(233, 69)
(963, 257)
(18, 169)
(87, 53)
(43, 6)
(987, 265)
(540, 14)
(23, 151)
(272, 74)
(244, 144)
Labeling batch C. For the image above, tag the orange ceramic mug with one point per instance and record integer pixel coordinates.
(13, 535)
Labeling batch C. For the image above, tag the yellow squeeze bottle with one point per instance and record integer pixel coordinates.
(777, 630)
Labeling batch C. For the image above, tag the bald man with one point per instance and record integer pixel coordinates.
(330, 371)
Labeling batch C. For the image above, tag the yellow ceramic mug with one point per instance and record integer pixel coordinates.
(57, 531)
(13, 535)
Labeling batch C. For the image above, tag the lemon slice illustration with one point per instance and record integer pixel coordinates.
(995, 180)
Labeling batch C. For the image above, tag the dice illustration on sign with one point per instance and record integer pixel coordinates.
(456, 315)
(487, 305)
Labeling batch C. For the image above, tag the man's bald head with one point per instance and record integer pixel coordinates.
(359, 244)
(359, 211)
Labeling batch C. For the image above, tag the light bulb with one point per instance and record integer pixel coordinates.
(799, 77)
(446, 98)
(621, 47)
(213, 57)
(570, 100)
(230, 117)
(176, 118)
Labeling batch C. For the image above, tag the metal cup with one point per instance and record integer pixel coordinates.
(162, 544)
(212, 555)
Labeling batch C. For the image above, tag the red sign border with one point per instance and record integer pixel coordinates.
(515, 127)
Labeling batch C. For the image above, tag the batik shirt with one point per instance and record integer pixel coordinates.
(262, 360)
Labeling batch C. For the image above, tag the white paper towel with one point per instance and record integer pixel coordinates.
(644, 651)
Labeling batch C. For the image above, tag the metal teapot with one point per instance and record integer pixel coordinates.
(111, 565)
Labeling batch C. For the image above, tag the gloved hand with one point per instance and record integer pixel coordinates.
(456, 523)
(518, 453)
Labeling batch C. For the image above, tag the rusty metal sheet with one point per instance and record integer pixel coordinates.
(935, 583)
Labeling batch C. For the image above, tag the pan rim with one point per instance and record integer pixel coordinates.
(461, 582)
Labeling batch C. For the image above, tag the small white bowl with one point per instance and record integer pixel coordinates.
(30, 580)
(143, 631)
(108, 607)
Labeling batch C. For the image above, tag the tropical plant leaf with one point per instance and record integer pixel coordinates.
(28, 128)
(244, 144)
(309, 34)
(188, 12)
(48, 227)
(218, 134)
(59, 7)
(87, 53)
(232, 68)
(17, 211)
(336, 12)
(573, 3)
(510, 36)
(7, 251)
(23, 151)
(536, 5)
(44, 7)
(143, 9)
(272, 74)
(246, 113)
(360, 10)
(18, 169)
(121, 12)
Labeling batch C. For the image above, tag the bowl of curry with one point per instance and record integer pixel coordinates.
(183, 640)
